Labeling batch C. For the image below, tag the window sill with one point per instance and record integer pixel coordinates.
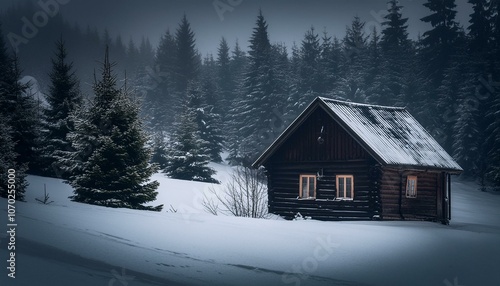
(306, 199)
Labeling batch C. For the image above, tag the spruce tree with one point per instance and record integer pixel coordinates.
(480, 29)
(238, 67)
(260, 99)
(396, 52)
(116, 171)
(209, 117)
(187, 60)
(8, 161)
(12, 101)
(224, 75)
(311, 78)
(188, 155)
(160, 101)
(63, 99)
(351, 84)
(439, 41)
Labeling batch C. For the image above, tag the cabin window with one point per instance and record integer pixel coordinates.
(345, 187)
(307, 186)
(411, 186)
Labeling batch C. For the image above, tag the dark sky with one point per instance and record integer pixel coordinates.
(288, 20)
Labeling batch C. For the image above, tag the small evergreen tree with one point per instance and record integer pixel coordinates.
(188, 155)
(117, 170)
(63, 99)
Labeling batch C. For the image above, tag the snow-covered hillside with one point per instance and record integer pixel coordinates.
(68, 243)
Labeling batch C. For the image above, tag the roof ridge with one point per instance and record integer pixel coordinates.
(325, 99)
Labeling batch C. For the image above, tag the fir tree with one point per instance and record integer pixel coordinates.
(188, 155)
(311, 78)
(480, 29)
(439, 41)
(63, 99)
(394, 35)
(116, 171)
(8, 162)
(187, 59)
(396, 49)
(209, 117)
(11, 120)
(260, 99)
(160, 98)
(224, 75)
(351, 84)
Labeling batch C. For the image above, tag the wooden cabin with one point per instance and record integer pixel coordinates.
(344, 161)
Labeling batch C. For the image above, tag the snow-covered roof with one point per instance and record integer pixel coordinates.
(390, 134)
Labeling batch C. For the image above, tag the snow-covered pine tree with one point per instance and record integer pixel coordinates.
(396, 52)
(311, 76)
(225, 83)
(187, 62)
(63, 98)
(23, 116)
(260, 99)
(209, 117)
(351, 83)
(8, 161)
(465, 132)
(188, 154)
(159, 149)
(238, 67)
(9, 105)
(159, 103)
(117, 171)
(439, 41)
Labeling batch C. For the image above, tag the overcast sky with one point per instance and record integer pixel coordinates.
(288, 20)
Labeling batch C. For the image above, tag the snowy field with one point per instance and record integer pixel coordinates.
(68, 243)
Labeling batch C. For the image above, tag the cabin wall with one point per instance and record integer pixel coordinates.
(428, 205)
(339, 154)
(283, 191)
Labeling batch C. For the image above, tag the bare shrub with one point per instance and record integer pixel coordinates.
(245, 195)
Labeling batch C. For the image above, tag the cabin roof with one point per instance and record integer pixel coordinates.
(390, 134)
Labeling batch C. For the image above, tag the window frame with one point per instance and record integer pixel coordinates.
(411, 194)
(308, 176)
(344, 197)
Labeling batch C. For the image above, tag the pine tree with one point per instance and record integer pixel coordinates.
(8, 161)
(23, 115)
(394, 35)
(238, 67)
(188, 154)
(225, 79)
(11, 120)
(160, 98)
(187, 59)
(260, 99)
(311, 80)
(480, 29)
(439, 41)
(209, 117)
(351, 84)
(159, 149)
(117, 170)
(64, 98)
(396, 50)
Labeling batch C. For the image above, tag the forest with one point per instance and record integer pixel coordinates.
(106, 126)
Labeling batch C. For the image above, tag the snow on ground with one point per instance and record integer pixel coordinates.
(68, 243)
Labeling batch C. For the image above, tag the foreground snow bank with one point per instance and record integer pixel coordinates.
(89, 245)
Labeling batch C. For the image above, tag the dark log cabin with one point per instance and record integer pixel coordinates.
(345, 161)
